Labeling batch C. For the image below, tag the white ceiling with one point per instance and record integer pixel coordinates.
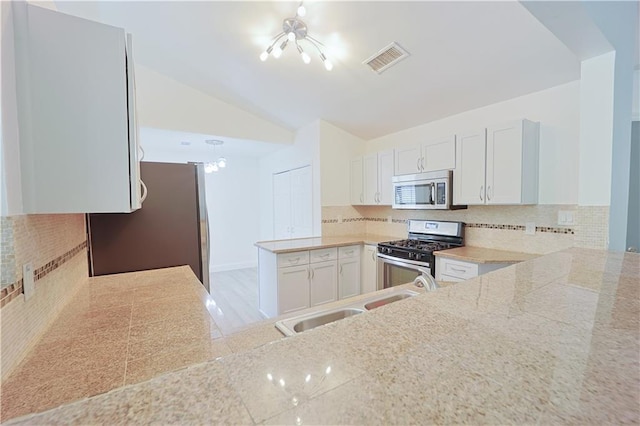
(464, 55)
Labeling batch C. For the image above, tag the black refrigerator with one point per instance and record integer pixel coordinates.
(171, 228)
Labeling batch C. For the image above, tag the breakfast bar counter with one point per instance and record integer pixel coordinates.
(484, 255)
(552, 340)
(297, 244)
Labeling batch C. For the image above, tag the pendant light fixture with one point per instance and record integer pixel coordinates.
(218, 164)
(295, 31)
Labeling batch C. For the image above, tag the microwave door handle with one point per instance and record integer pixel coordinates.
(432, 195)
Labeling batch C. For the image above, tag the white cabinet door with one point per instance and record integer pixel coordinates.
(369, 268)
(348, 277)
(370, 179)
(301, 203)
(282, 205)
(357, 189)
(469, 176)
(72, 89)
(512, 163)
(407, 160)
(385, 174)
(439, 154)
(293, 288)
(324, 282)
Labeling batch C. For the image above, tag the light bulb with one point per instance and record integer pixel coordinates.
(263, 56)
(214, 167)
(208, 168)
(222, 162)
(277, 52)
(328, 65)
(291, 36)
(301, 11)
(305, 57)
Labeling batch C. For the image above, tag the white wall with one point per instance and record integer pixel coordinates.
(635, 106)
(305, 151)
(337, 148)
(164, 103)
(596, 126)
(558, 111)
(232, 205)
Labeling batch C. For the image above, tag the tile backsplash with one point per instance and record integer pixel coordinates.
(499, 227)
(56, 247)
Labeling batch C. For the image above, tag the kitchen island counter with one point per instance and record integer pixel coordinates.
(298, 244)
(548, 341)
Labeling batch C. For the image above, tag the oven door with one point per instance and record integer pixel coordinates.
(393, 271)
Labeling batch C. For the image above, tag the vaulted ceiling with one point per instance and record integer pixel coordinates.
(464, 55)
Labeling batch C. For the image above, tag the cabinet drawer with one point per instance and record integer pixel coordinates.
(322, 255)
(451, 279)
(348, 252)
(458, 269)
(293, 259)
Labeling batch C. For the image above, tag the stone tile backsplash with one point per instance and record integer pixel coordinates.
(498, 227)
(56, 247)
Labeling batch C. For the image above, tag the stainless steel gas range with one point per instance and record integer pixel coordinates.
(400, 262)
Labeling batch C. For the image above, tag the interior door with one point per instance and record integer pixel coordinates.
(281, 205)
(301, 203)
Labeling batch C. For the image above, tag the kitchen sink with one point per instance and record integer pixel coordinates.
(323, 319)
(295, 325)
(385, 301)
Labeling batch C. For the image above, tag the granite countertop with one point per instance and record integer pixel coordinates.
(553, 340)
(297, 244)
(484, 255)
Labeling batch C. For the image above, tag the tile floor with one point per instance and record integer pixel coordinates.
(118, 333)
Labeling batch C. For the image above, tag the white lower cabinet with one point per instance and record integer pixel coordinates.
(289, 282)
(293, 288)
(369, 269)
(348, 271)
(457, 270)
(324, 282)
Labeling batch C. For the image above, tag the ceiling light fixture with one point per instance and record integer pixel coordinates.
(294, 30)
(218, 164)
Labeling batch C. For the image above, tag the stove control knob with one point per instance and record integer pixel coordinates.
(411, 255)
(418, 256)
(389, 251)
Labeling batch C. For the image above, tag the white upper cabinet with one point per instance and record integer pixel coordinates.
(75, 94)
(377, 171)
(434, 155)
(498, 165)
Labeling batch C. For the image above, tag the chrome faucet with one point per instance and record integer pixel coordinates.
(426, 281)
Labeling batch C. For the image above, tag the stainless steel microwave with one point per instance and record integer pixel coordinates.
(424, 191)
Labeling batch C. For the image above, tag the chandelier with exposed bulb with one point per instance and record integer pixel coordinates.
(294, 30)
(218, 164)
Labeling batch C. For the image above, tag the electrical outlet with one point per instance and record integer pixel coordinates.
(339, 218)
(530, 228)
(27, 280)
(389, 219)
(565, 217)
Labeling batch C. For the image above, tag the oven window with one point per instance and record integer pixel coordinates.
(398, 275)
(413, 194)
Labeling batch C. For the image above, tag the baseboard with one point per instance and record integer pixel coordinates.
(232, 266)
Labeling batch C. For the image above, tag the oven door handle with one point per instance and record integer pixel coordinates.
(404, 262)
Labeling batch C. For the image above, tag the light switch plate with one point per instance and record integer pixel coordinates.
(27, 280)
(339, 218)
(389, 219)
(530, 228)
(565, 217)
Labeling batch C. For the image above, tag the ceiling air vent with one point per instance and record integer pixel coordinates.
(385, 58)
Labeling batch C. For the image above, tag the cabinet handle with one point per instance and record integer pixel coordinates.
(294, 261)
(144, 191)
(324, 256)
(422, 165)
(361, 198)
(340, 269)
(457, 270)
(418, 164)
(308, 274)
(481, 188)
(489, 193)
(373, 256)
(312, 273)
